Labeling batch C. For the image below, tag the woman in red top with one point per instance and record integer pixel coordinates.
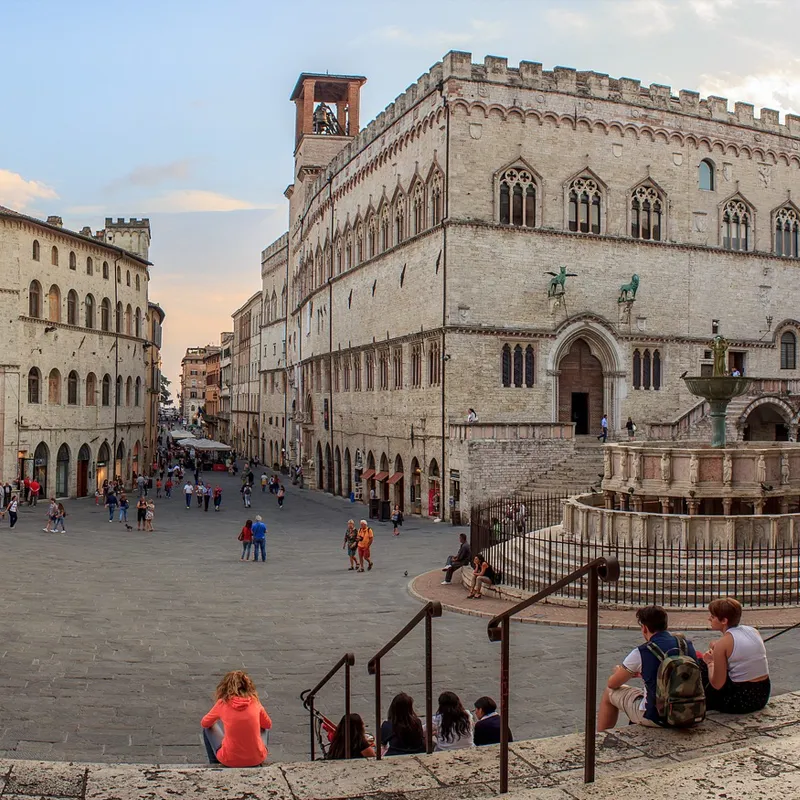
(232, 729)
(246, 538)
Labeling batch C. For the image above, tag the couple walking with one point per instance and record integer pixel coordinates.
(254, 535)
(358, 544)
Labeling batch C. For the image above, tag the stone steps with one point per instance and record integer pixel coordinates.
(575, 473)
(752, 756)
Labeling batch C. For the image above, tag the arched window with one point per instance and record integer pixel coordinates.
(646, 214)
(106, 393)
(89, 266)
(637, 369)
(72, 388)
(35, 299)
(118, 391)
(89, 314)
(584, 206)
(119, 274)
(656, 370)
(34, 386)
(385, 241)
(788, 350)
(518, 371)
(127, 277)
(105, 270)
(105, 314)
(786, 232)
(138, 322)
(128, 319)
(647, 370)
(400, 220)
(372, 237)
(705, 175)
(128, 391)
(91, 389)
(736, 225)
(36, 250)
(118, 318)
(419, 208)
(54, 256)
(72, 307)
(506, 365)
(54, 387)
(137, 395)
(73, 260)
(348, 250)
(435, 198)
(337, 246)
(138, 283)
(54, 304)
(359, 243)
(517, 198)
(529, 367)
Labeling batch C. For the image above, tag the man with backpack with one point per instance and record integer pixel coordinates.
(365, 538)
(669, 667)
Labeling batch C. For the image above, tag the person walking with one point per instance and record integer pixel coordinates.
(281, 495)
(124, 505)
(603, 429)
(61, 514)
(351, 544)
(631, 428)
(246, 538)
(52, 512)
(199, 493)
(365, 538)
(141, 513)
(12, 508)
(149, 516)
(168, 487)
(207, 492)
(259, 539)
(397, 519)
(217, 497)
(158, 487)
(264, 481)
(111, 504)
(188, 491)
(141, 485)
(246, 495)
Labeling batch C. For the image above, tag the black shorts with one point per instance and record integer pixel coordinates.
(140, 514)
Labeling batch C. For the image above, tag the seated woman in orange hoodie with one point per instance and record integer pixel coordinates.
(232, 729)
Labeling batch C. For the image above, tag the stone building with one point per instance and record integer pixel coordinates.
(424, 272)
(212, 392)
(152, 367)
(245, 366)
(73, 386)
(224, 413)
(193, 383)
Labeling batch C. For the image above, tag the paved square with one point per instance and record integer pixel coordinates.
(112, 641)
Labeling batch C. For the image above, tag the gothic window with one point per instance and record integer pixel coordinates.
(584, 205)
(786, 232)
(637, 369)
(54, 304)
(127, 277)
(36, 250)
(435, 198)
(518, 198)
(73, 261)
(118, 318)
(34, 385)
(656, 370)
(434, 363)
(105, 314)
(736, 225)
(105, 270)
(348, 250)
(705, 174)
(357, 372)
(529, 367)
(128, 390)
(137, 328)
(385, 241)
(397, 368)
(506, 365)
(369, 369)
(72, 307)
(359, 243)
(137, 392)
(91, 389)
(372, 237)
(419, 208)
(788, 350)
(89, 266)
(128, 319)
(138, 283)
(72, 388)
(118, 392)
(518, 366)
(339, 256)
(416, 365)
(35, 299)
(346, 375)
(400, 220)
(646, 214)
(54, 387)
(647, 369)
(383, 369)
(89, 303)
(54, 256)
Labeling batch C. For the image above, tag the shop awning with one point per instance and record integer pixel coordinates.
(396, 478)
(381, 476)
(367, 474)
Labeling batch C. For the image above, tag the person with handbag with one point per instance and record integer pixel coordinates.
(246, 538)
(397, 519)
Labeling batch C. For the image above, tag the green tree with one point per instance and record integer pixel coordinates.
(166, 395)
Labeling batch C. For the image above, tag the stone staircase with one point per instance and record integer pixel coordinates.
(733, 757)
(578, 471)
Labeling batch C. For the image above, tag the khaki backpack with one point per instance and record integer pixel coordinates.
(680, 698)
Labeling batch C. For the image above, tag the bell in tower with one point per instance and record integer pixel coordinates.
(316, 97)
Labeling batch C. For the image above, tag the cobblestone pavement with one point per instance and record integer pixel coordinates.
(111, 641)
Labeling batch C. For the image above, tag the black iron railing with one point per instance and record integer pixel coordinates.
(309, 695)
(427, 613)
(499, 630)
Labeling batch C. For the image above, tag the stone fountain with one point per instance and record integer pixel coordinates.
(718, 390)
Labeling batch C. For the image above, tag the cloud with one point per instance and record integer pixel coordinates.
(182, 201)
(644, 17)
(709, 10)
(18, 194)
(778, 88)
(154, 174)
(568, 21)
(477, 31)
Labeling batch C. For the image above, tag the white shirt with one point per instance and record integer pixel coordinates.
(188, 489)
(459, 742)
(748, 660)
(633, 663)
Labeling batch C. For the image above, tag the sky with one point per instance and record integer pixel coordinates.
(178, 110)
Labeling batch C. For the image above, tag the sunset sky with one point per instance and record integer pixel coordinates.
(180, 110)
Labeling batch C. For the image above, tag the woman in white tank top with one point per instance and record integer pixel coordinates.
(738, 673)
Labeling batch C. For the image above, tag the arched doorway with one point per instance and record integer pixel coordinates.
(318, 460)
(40, 458)
(416, 487)
(371, 493)
(84, 457)
(328, 469)
(136, 458)
(338, 454)
(119, 461)
(348, 473)
(103, 459)
(383, 479)
(397, 481)
(434, 490)
(62, 471)
(580, 388)
(766, 421)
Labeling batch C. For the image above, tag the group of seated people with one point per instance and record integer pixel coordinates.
(731, 677)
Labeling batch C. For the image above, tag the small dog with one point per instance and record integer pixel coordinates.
(128, 527)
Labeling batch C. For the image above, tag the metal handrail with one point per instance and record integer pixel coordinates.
(499, 630)
(428, 612)
(781, 632)
(346, 661)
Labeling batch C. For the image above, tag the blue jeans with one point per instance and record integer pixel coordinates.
(188, 501)
(246, 549)
(111, 512)
(260, 545)
(212, 739)
(123, 514)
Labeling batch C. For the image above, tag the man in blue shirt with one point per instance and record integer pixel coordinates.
(639, 704)
(260, 539)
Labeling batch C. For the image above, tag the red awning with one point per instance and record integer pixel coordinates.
(367, 474)
(396, 478)
(381, 476)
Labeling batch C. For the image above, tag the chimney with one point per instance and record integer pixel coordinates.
(56, 221)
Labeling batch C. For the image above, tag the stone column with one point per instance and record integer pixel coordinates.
(784, 505)
(609, 498)
(664, 505)
(637, 502)
(758, 505)
(693, 505)
(727, 503)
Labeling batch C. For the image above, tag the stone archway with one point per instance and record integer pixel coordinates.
(767, 419)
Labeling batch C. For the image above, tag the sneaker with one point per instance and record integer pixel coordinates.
(445, 583)
(369, 567)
